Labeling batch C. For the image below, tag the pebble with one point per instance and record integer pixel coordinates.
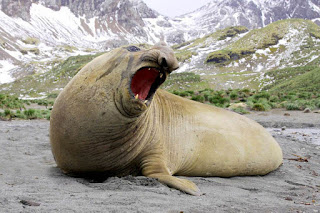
(29, 203)
(286, 114)
(283, 128)
(306, 110)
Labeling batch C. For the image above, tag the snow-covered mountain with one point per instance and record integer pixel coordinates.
(230, 58)
(33, 33)
(44, 30)
(80, 25)
(219, 14)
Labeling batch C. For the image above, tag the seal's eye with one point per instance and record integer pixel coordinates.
(133, 49)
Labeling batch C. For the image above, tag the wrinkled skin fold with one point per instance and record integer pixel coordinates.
(111, 119)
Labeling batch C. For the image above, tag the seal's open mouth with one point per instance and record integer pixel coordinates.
(146, 81)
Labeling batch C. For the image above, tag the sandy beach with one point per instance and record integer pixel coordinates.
(31, 182)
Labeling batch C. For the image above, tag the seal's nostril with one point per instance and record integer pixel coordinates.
(176, 67)
(163, 63)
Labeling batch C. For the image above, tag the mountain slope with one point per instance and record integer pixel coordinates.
(241, 61)
(117, 20)
(249, 13)
(297, 44)
(66, 28)
(295, 79)
(34, 33)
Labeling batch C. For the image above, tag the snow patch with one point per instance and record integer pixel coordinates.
(5, 67)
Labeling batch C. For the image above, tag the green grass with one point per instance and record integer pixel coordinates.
(255, 100)
(226, 55)
(241, 110)
(15, 108)
(48, 82)
(31, 40)
(25, 114)
(184, 81)
(280, 76)
(11, 102)
(68, 48)
(269, 35)
(263, 38)
(184, 55)
(211, 38)
(298, 79)
(232, 31)
(33, 50)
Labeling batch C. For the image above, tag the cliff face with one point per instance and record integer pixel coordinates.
(219, 14)
(133, 18)
(92, 8)
(251, 13)
(20, 8)
(306, 9)
(43, 30)
(128, 14)
(116, 22)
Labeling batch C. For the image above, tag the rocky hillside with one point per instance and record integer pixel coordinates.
(79, 21)
(234, 57)
(252, 14)
(46, 31)
(239, 59)
(35, 35)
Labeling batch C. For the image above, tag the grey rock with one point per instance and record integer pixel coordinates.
(306, 110)
(19, 8)
(176, 37)
(253, 14)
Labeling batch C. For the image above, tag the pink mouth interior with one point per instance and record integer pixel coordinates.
(142, 82)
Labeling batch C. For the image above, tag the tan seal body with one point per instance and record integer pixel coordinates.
(106, 121)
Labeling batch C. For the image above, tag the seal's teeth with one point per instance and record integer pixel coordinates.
(137, 96)
(161, 75)
(145, 101)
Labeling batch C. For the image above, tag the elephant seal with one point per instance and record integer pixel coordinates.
(111, 119)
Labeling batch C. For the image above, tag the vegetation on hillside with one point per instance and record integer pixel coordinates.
(239, 100)
(297, 79)
(31, 40)
(217, 35)
(245, 100)
(33, 50)
(261, 39)
(183, 51)
(294, 88)
(293, 99)
(51, 81)
(184, 81)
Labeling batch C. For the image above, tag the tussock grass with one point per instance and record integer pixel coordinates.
(297, 79)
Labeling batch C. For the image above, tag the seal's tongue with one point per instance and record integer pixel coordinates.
(142, 82)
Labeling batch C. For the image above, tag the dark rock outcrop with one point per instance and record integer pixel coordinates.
(19, 8)
(253, 14)
(128, 14)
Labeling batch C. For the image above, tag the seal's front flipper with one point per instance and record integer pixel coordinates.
(181, 184)
(154, 166)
